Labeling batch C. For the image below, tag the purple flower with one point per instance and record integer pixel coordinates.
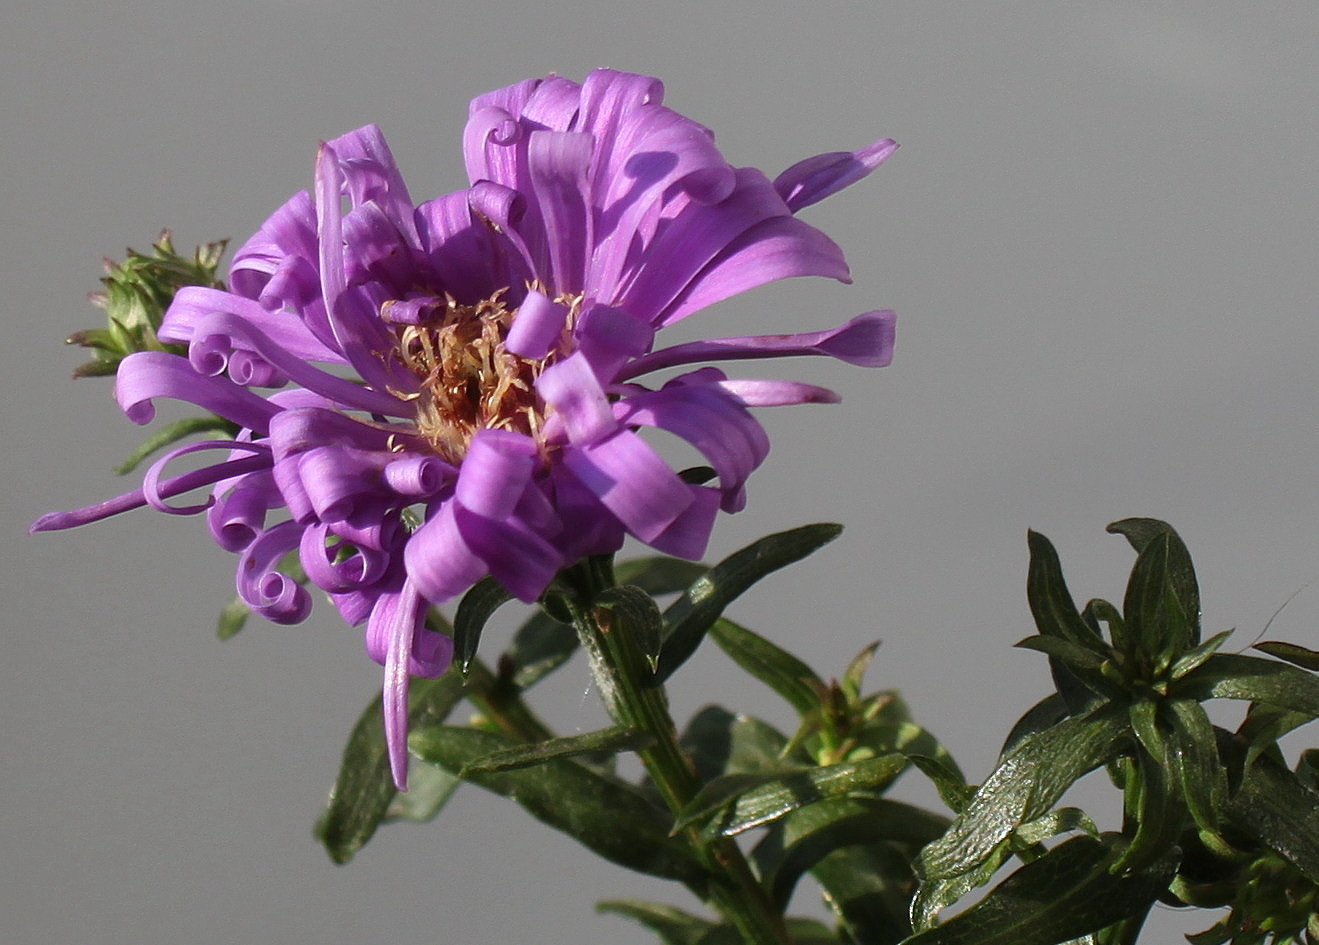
(452, 388)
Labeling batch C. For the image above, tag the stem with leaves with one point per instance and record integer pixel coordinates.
(619, 628)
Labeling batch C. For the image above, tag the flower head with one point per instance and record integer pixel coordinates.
(433, 393)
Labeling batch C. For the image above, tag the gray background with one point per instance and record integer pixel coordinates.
(1099, 236)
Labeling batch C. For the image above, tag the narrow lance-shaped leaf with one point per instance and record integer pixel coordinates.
(474, 611)
(1200, 774)
(429, 789)
(607, 815)
(1298, 655)
(1067, 893)
(1232, 676)
(759, 804)
(659, 574)
(170, 434)
(542, 644)
(1027, 782)
(720, 742)
(672, 925)
(232, 619)
(1180, 571)
(868, 888)
(771, 664)
(933, 895)
(1056, 617)
(635, 611)
(1050, 602)
(1283, 813)
(364, 790)
(806, 836)
(687, 620)
(676, 927)
(606, 741)
(1158, 808)
(1156, 620)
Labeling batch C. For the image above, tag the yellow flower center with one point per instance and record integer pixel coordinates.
(469, 380)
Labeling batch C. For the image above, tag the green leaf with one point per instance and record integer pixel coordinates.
(907, 737)
(1065, 894)
(1050, 602)
(429, 789)
(1054, 823)
(855, 673)
(672, 925)
(171, 434)
(720, 743)
(1157, 807)
(1144, 722)
(687, 620)
(775, 667)
(869, 889)
(659, 574)
(1075, 655)
(1099, 611)
(675, 927)
(933, 895)
(232, 619)
(948, 781)
(1178, 568)
(635, 611)
(728, 806)
(1275, 807)
(1028, 781)
(1050, 710)
(1196, 657)
(1298, 655)
(936, 893)
(1232, 676)
(474, 611)
(606, 814)
(541, 645)
(364, 790)
(806, 836)
(1056, 617)
(1196, 765)
(1155, 617)
(1264, 725)
(606, 741)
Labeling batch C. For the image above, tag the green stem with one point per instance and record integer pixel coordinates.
(623, 670)
(503, 705)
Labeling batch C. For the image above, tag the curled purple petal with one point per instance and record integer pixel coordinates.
(496, 472)
(537, 327)
(429, 394)
(153, 487)
(266, 591)
(145, 375)
(630, 479)
(571, 388)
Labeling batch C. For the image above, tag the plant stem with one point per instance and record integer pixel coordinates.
(623, 669)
